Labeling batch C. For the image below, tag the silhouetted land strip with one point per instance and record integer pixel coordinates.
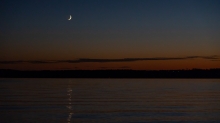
(194, 73)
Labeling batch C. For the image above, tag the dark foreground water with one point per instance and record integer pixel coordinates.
(109, 100)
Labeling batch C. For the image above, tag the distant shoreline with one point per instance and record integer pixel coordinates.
(194, 73)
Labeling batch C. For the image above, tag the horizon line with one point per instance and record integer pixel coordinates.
(82, 60)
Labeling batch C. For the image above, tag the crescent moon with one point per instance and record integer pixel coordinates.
(70, 17)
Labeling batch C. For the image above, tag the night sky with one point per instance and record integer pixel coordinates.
(109, 34)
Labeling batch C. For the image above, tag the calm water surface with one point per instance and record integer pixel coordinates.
(109, 100)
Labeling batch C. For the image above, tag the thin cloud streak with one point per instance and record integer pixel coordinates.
(214, 57)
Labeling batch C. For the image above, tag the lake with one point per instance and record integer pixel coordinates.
(109, 100)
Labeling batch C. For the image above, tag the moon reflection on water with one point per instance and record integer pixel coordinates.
(69, 106)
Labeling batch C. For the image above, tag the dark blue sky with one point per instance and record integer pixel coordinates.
(39, 29)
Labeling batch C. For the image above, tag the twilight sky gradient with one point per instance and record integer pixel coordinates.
(109, 34)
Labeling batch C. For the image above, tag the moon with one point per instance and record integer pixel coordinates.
(70, 17)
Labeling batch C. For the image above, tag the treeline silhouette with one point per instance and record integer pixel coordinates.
(194, 73)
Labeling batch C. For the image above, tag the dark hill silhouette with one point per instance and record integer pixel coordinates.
(194, 73)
